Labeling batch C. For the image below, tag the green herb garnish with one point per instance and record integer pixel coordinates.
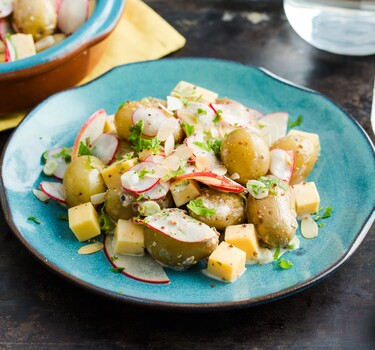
(114, 257)
(84, 150)
(297, 122)
(201, 111)
(198, 208)
(189, 129)
(138, 142)
(144, 172)
(327, 213)
(34, 218)
(271, 183)
(219, 113)
(285, 264)
(106, 224)
(216, 146)
(204, 145)
(121, 105)
(117, 269)
(277, 253)
(63, 217)
(65, 153)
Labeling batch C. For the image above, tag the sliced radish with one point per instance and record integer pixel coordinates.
(282, 164)
(10, 50)
(98, 198)
(105, 147)
(235, 114)
(196, 143)
(198, 114)
(213, 180)
(6, 8)
(152, 118)
(72, 15)
(273, 127)
(157, 192)
(174, 103)
(154, 158)
(60, 161)
(309, 228)
(142, 268)
(176, 224)
(134, 181)
(53, 190)
(41, 195)
(90, 131)
(5, 27)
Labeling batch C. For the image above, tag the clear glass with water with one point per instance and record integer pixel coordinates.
(344, 27)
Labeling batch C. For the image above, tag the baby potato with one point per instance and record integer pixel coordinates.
(274, 216)
(305, 152)
(245, 153)
(83, 179)
(229, 207)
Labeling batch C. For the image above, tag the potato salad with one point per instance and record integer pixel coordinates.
(195, 178)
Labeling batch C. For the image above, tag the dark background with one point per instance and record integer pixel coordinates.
(39, 310)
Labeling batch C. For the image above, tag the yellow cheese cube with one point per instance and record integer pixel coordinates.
(314, 138)
(184, 190)
(227, 262)
(243, 237)
(193, 92)
(84, 221)
(112, 174)
(109, 125)
(307, 198)
(129, 238)
(23, 44)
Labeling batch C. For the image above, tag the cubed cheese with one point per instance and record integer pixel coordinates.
(227, 262)
(307, 198)
(184, 190)
(112, 174)
(243, 237)
(129, 238)
(84, 221)
(314, 138)
(109, 126)
(193, 92)
(24, 45)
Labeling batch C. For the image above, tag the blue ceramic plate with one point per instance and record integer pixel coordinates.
(344, 176)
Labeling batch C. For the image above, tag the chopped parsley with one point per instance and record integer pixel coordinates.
(204, 145)
(63, 217)
(201, 111)
(140, 197)
(327, 213)
(34, 218)
(106, 224)
(285, 264)
(291, 246)
(217, 118)
(297, 122)
(198, 208)
(271, 183)
(117, 269)
(65, 153)
(84, 150)
(144, 172)
(173, 174)
(277, 253)
(214, 145)
(321, 224)
(114, 257)
(121, 105)
(189, 129)
(139, 143)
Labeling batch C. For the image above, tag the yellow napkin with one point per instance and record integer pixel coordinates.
(141, 35)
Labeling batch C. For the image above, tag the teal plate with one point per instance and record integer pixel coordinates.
(344, 176)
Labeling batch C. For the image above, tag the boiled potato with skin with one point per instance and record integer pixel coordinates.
(245, 153)
(36, 17)
(229, 208)
(274, 216)
(83, 179)
(305, 153)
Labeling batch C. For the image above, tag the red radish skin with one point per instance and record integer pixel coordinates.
(53, 190)
(143, 185)
(10, 51)
(153, 272)
(216, 181)
(92, 129)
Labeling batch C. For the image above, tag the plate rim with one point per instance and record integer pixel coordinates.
(157, 304)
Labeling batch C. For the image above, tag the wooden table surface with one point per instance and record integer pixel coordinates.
(40, 310)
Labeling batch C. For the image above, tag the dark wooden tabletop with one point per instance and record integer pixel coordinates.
(40, 310)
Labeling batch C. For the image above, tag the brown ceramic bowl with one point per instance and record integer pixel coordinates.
(26, 82)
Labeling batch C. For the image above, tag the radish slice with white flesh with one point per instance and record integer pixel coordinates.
(105, 147)
(198, 114)
(213, 180)
(56, 155)
(174, 103)
(5, 27)
(6, 8)
(282, 164)
(54, 190)
(309, 228)
(90, 131)
(140, 268)
(10, 50)
(273, 127)
(235, 114)
(97, 198)
(41, 195)
(136, 179)
(194, 141)
(176, 224)
(72, 14)
(157, 192)
(152, 118)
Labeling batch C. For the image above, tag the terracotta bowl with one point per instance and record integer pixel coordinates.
(26, 82)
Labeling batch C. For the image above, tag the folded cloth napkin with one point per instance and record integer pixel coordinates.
(141, 35)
